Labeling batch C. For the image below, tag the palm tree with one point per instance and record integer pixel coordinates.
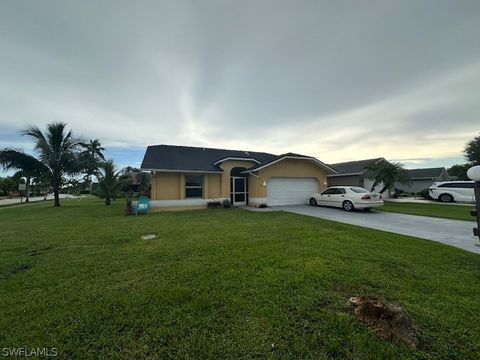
(58, 152)
(109, 181)
(388, 173)
(26, 165)
(92, 157)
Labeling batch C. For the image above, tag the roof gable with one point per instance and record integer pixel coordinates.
(291, 156)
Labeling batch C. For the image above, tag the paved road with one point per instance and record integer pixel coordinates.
(33, 199)
(451, 232)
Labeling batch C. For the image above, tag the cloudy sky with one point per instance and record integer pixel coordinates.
(340, 80)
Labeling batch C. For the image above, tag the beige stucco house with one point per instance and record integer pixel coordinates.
(184, 177)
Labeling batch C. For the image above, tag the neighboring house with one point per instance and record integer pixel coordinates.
(192, 176)
(356, 173)
(422, 179)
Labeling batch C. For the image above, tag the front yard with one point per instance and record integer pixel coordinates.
(223, 284)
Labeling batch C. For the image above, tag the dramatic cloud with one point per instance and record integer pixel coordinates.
(336, 79)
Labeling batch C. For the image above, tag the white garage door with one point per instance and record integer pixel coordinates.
(290, 191)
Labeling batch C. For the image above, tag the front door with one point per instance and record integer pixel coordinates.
(238, 190)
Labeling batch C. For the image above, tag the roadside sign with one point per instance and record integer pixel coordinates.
(22, 187)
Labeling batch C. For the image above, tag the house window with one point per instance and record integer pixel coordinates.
(193, 186)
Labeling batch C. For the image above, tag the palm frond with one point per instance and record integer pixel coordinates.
(17, 159)
(388, 173)
(93, 148)
(42, 145)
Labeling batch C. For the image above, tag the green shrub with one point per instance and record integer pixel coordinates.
(215, 204)
(425, 193)
(226, 204)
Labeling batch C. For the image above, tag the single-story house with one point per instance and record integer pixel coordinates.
(355, 173)
(422, 179)
(185, 176)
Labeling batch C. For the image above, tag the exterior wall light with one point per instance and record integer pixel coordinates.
(264, 183)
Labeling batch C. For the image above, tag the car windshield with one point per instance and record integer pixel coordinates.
(359, 190)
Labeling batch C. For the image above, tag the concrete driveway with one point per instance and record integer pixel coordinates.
(451, 232)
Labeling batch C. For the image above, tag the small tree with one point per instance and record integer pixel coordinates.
(109, 181)
(472, 151)
(44, 185)
(8, 185)
(388, 173)
(135, 180)
(144, 181)
(92, 158)
(459, 171)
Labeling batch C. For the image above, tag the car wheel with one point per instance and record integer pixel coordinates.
(445, 198)
(347, 205)
(313, 202)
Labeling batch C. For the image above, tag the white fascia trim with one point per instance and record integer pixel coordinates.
(235, 158)
(185, 171)
(183, 202)
(318, 162)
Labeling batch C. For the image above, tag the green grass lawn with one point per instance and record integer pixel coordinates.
(447, 211)
(223, 284)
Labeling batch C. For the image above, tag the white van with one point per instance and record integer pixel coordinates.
(450, 191)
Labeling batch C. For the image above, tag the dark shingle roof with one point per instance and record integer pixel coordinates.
(354, 167)
(428, 173)
(172, 157)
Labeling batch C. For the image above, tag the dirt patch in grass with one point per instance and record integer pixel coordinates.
(14, 270)
(388, 320)
(39, 251)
